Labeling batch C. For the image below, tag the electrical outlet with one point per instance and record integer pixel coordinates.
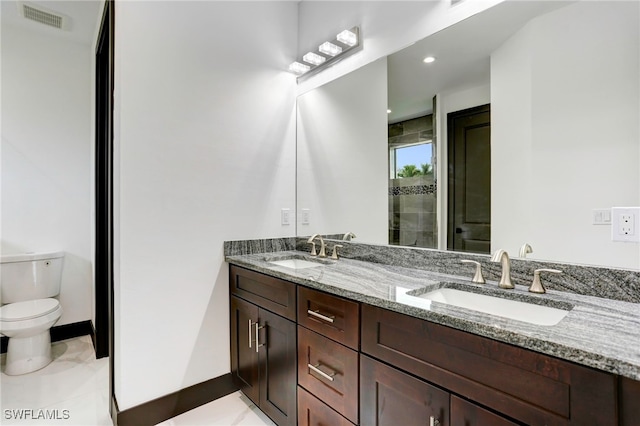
(625, 224)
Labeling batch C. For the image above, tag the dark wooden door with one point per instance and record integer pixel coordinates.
(469, 189)
(391, 397)
(277, 354)
(244, 357)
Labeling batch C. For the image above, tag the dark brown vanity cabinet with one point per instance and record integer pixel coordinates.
(355, 364)
(263, 343)
(521, 385)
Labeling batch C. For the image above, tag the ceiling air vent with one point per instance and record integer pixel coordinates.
(43, 16)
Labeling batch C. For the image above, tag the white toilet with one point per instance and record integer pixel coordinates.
(28, 284)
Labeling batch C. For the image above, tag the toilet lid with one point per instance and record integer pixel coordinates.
(28, 309)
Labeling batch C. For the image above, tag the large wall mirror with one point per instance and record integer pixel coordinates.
(545, 97)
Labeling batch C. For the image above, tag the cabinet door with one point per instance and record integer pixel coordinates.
(244, 357)
(464, 413)
(391, 397)
(313, 412)
(277, 336)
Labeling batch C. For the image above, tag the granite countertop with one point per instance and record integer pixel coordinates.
(597, 332)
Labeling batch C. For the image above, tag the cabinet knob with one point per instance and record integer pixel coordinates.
(433, 421)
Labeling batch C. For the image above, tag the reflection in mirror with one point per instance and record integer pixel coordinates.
(564, 137)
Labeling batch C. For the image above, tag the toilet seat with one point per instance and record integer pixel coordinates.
(29, 309)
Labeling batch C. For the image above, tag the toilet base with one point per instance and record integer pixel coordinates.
(28, 354)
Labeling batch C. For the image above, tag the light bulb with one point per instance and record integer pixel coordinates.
(347, 37)
(330, 49)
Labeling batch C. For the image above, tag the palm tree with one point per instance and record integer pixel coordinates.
(409, 170)
(427, 169)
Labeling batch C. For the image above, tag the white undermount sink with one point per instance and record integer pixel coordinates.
(296, 263)
(507, 308)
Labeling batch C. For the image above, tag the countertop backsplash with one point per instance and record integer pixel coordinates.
(610, 283)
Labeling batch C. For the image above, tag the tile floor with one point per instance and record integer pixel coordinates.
(231, 410)
(75, 389)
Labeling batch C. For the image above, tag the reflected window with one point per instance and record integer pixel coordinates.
(412, 161)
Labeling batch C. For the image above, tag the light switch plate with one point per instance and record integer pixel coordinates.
(601, 216)
(285, 216)
(306, 219)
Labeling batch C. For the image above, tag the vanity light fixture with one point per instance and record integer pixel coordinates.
(429, 59)
(328, 52)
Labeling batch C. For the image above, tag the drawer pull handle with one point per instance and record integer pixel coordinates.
(250, 330)
(433, 421)
(317, 314)
(320, 372)
(258, 344)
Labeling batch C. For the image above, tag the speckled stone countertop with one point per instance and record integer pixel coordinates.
(597, 332)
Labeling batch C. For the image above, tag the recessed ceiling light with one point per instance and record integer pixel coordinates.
(429, 59)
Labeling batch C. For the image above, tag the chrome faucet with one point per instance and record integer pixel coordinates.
(502, 257)
(322, 245)
(348, 236)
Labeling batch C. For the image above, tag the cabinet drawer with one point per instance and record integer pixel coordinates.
(522, 384)
(329, 371)
(391, 397)
(273, 294)
(313, 412)
(464, 413)
(331, 316)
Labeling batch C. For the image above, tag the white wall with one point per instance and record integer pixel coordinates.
(46, 157)
(205, 145)
(581, 131)
(343, 163)
(386, 27)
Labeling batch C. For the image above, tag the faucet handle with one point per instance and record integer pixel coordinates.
(536, 285)
(334, 255)
(525, 249)
(313, 248)
(477, 277)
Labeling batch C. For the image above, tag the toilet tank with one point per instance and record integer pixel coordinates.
(29, 276)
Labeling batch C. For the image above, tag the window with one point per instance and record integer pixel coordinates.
(411, 160)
